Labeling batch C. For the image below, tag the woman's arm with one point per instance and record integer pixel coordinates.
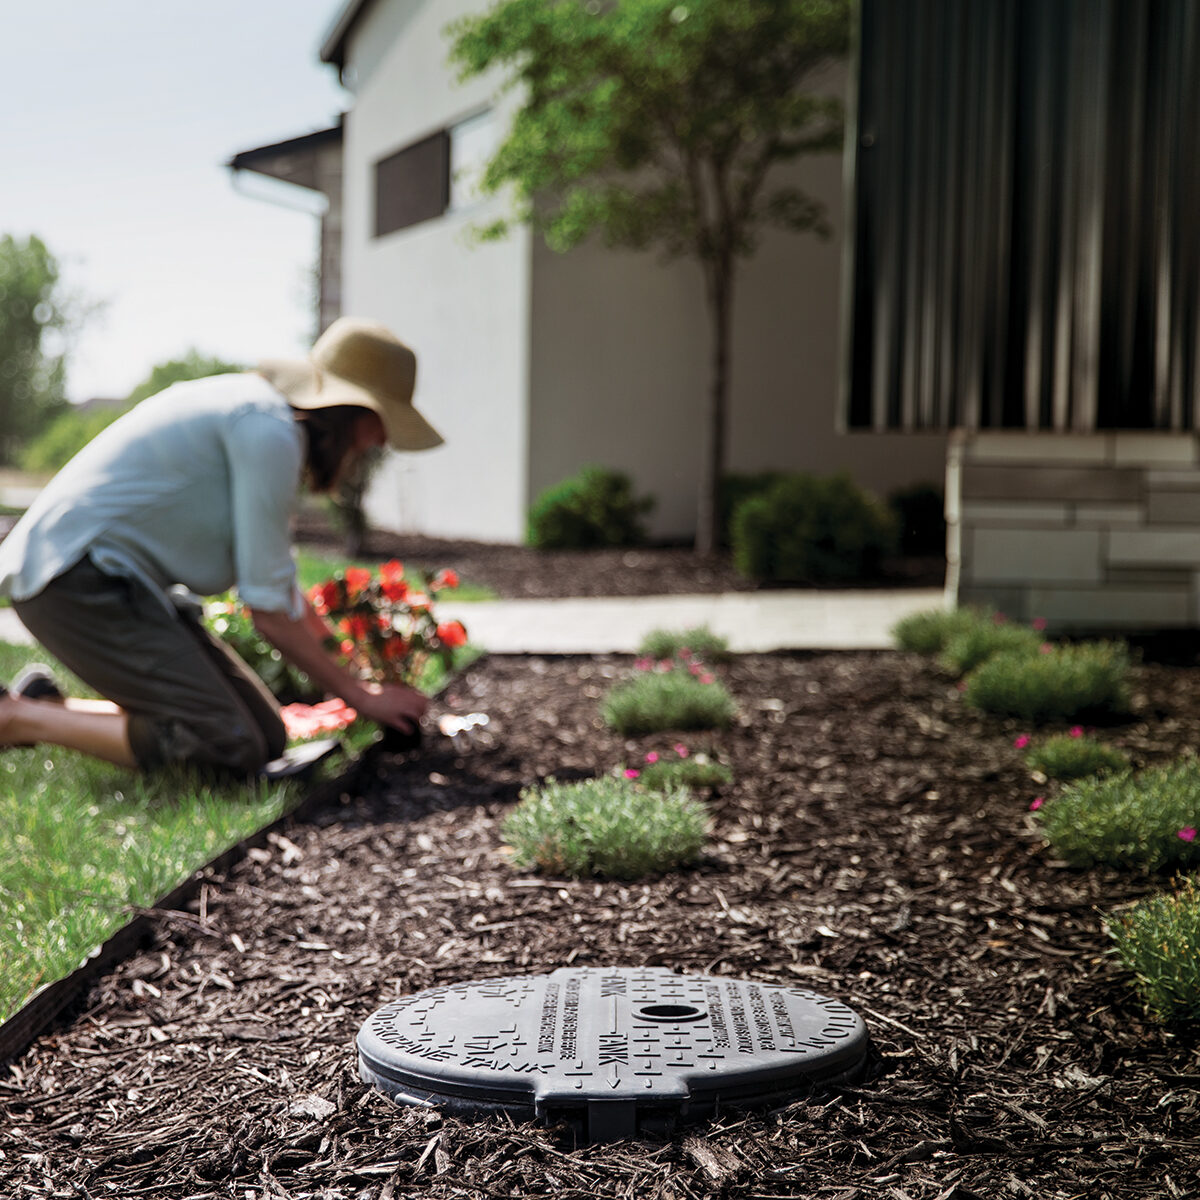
(300, 641)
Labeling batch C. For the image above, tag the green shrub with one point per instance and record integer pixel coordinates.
(597, 507)
(928, 632)
(736, 488)
(655, 700)
(607, 827)
(814, 529)
(699, 642)
(1061, 684)
(699, 773)
(970, 647)
(1145, 821)
(1159, 941)
(920, 513)
(1066, 756)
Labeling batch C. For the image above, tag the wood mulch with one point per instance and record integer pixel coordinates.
(875, 846)
(520, 572)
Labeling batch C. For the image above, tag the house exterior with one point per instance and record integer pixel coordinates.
(534, 364)
(1026, 277)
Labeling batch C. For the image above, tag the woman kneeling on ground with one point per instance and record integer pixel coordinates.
(192, 492)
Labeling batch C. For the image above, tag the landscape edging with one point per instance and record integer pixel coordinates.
(45, 1006)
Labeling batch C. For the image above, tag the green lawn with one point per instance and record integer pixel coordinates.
(82, 842)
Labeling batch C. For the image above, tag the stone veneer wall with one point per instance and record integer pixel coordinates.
(1088, 531)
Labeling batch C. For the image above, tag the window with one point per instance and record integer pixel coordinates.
(413, 184)
(438, 174)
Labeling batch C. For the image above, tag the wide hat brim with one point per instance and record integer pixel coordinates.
(308, 386)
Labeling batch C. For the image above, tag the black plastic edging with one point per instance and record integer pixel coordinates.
(38, 1013)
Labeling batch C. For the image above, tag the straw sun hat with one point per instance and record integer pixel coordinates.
(362, 363)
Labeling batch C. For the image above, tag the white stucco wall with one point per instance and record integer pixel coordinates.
(463, 309)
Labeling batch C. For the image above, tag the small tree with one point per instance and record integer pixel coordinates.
(656, 123)
(32, 370)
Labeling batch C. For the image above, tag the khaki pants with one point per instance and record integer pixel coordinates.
(189, 697)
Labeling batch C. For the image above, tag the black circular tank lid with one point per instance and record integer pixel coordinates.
(616, 1050)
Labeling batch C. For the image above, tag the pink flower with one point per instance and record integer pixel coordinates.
(1187, 834)
(1039, 623)
(1037, 803)
(652, 757)
(665, 664)
(1045, 648)
(643, 664)
(1022, 741)
(684, 652)
(1077, 731)
(631, 773)
(707, 679)
(680, 749)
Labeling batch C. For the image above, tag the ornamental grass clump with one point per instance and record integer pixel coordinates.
(929, 632)
(1158, 939)
(679, 768)
(607, 827)
(1144, 821)
(984, 639)
(664, 696)
(1074, 755)
(1061, 683)
(689, 644)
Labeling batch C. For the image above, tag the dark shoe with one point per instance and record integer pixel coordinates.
(36, 682)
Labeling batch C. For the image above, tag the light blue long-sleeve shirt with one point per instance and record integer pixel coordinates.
(194, 486)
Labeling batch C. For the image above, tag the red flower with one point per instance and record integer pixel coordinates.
(394, 588)
(452, 633)
(394, 649)
(394, 569)
(445, 578)
(325, 596)
(357, 579)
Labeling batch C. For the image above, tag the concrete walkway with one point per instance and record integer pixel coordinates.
(749, 621)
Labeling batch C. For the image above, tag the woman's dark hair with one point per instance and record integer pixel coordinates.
(330, 438)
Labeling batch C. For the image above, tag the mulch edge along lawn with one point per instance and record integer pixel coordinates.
(56, 1001)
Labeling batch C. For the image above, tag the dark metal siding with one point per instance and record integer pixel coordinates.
(1026, 215)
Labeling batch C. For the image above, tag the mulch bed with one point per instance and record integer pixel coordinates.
(875, 846)
(520, 572)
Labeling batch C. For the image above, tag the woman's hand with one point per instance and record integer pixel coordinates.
(392, 704)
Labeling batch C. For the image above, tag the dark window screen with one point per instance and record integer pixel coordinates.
(413, 184)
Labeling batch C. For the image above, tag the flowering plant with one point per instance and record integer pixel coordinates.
(384, 622)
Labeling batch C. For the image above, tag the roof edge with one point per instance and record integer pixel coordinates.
(333, 48)
(244, 160)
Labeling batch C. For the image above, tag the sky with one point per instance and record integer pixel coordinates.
(117, 119)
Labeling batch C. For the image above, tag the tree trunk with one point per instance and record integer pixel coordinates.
(719, 280)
